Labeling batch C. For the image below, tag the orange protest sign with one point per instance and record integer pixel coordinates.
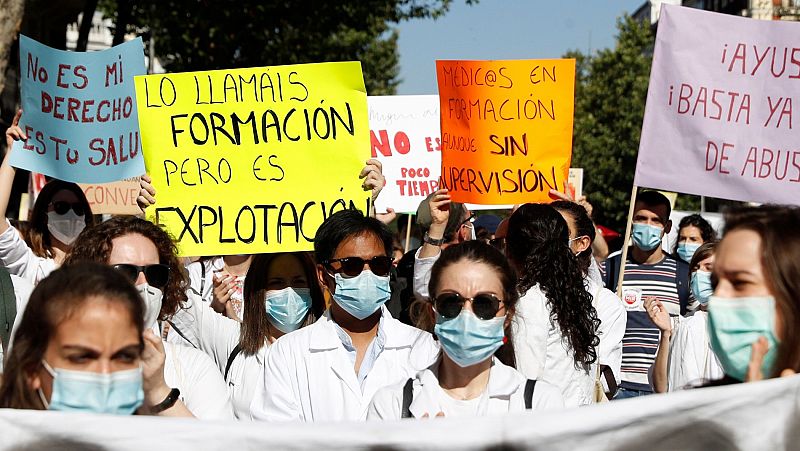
(506, 128)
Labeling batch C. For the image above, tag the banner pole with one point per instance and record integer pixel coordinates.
(626, 240)
(408, 233)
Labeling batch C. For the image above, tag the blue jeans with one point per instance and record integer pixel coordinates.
(625, 393)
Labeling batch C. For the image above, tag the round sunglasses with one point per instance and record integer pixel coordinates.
(484, 305)
(352, 266)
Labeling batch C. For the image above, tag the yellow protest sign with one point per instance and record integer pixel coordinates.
(253, 160)
(506, 129)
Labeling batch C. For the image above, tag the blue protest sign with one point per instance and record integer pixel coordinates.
(79, 112)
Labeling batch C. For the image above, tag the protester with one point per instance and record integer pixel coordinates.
(331, 370)
(474, 297)
(281, 295)
(599, 244)
(684, 358)
(80, 347)
(147, 256)
(446, 223)
(555, 325)
(693, 232)
(754, 315)
(219, 281)
(59, 214)
(610, 311)
(649, 271)
(410, 277)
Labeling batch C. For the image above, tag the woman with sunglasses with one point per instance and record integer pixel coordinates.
(145, 254)
(281, 295)
(473, 299)
(330, 370)
(80, 347)
(555, 326)
(59, 214)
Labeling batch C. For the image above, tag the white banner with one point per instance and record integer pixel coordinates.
(755, 416)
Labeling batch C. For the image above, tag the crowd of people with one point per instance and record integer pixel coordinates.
(532, 313)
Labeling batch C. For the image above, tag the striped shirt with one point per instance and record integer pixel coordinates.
(640, 344)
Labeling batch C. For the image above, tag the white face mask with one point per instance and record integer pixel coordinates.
(66, 227)
(152, 303)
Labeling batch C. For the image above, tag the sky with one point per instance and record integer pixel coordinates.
(504, 29)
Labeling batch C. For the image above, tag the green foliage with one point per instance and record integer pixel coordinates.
(610, 94)
(194, 35)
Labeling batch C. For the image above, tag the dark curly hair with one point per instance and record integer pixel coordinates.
(95, 243)
(255, 326)
(583, 227)
(537, 245)
(37, 236)
(707, 232)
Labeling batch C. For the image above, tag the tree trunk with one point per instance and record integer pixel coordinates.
(86, 25)
(123, 17)
(10, 21)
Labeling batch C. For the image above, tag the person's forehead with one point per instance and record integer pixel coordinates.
(364, 245)
(642, 208)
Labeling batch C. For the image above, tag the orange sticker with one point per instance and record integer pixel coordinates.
(506, 129)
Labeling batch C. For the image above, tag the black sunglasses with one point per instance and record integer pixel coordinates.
(352, 266)
(62, 207)
(156, 275)
(485, 306)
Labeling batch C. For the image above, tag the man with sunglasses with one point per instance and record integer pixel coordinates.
(450, 223)
(330, 370)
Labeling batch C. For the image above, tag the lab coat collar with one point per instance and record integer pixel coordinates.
(324, 336)
(504, 381)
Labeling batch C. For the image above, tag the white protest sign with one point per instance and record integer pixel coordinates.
(719, 118)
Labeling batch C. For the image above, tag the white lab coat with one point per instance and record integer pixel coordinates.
(217, 336)
(309, 376)
(422, 273)
(542, 353)
(505, 393)
(613, 320)
(20, 260)
(692, 362)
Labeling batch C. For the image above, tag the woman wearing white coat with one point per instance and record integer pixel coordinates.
(474, 297)
(555, 327)
(610, 311)
(685, 358)
(330, 370)
(281, 294)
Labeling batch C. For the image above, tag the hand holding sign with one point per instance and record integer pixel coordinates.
(14, 133)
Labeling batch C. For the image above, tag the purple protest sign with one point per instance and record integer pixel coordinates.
(719, 116)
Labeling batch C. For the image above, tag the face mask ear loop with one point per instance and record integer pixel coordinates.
(39, 391)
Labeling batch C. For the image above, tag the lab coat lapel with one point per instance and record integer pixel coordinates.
(328, 354)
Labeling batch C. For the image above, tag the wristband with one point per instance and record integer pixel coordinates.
(433, 241)
(168, 402)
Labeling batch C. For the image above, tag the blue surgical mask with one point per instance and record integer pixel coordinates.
(686, 251)
(646, 237)
(734, 324)
(467, 339)
(361, 295)
(117, 393)
(288, 308)
(701, 286)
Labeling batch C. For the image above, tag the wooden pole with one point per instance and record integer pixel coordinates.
(408, 233)
(625, 246)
